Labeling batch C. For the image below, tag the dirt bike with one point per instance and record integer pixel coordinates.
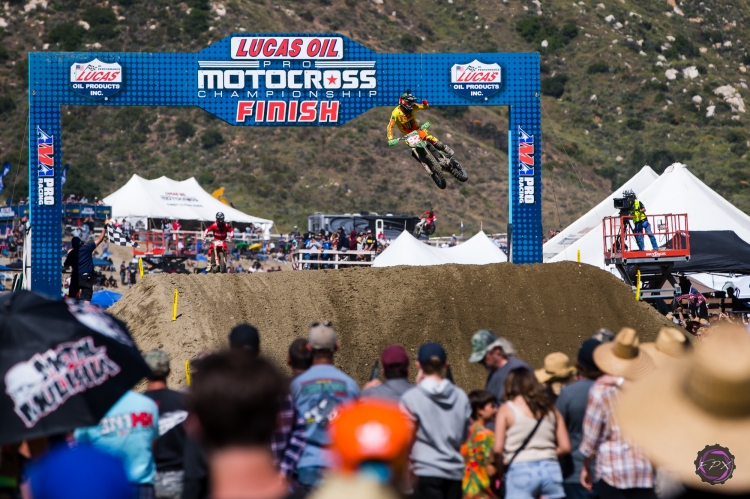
(219, 257)
(423, 227)
(433, 160)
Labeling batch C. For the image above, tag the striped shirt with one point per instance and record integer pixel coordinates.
(288, 440)
(618, 462)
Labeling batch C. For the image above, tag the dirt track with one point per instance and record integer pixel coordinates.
(540, 308)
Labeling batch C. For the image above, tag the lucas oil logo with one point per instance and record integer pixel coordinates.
(526, 190)
(40, 385)
(45, 148)
(96, 79)
(476, 80)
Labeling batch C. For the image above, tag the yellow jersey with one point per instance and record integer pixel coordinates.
(406, 122)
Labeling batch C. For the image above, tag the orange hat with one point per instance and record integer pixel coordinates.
(371, 430)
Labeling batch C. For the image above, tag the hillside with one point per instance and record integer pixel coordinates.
(626, 83)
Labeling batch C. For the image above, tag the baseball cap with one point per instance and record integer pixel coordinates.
(429, 350)
(481, 340)
(158, 361)
(586, 354)
(322, 336)
(244, 336)
(395, 357)
(85, 472)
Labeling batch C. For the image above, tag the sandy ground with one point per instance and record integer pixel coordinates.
(541, 308)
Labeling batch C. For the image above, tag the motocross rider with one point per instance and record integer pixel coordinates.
(427, 219)
(221, 231)
(403, 116)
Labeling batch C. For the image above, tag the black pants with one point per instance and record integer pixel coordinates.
(86, 285)
(606, 491)
(429, 487)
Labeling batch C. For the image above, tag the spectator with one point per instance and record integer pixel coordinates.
(670, 345)
(317, 392)
(236, 402)
(170, 446)
(497, 355)
(477, 450)
(81, 261)
(603, 335)
(289, 436)
(622, 468)
(299, 358)
(556, 373)
(128, 430)
(395, 363)
(441, 413)
(572, 406)
(529, 417)
(700, 401)
(343, 241)
(132, 272)
(295, 232)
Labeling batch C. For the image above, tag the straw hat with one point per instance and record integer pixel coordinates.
(622, 357)
(670, 345)
(556, 366)
(675, 412)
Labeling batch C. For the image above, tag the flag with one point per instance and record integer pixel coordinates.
(6, 170)
(65, 173)
(117, 236)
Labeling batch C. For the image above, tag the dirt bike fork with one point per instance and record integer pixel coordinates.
(415, 155)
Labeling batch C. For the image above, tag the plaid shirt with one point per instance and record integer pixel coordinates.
(618, 462)
(288, 439)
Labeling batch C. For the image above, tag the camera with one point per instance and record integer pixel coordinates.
(625, 203)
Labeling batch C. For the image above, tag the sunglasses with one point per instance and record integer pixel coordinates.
(324, 323)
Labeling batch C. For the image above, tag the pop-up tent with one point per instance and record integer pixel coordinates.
(406, 250)
(164, 198)
(675, 191)
(592, 220)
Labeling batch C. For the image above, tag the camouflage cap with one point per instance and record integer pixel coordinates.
(479, 343)
(158, 361)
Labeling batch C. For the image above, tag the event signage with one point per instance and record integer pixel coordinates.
(282, 79)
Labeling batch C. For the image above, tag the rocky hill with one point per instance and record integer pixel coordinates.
(626, 83)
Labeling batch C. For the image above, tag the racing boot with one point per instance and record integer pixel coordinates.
(445, 148)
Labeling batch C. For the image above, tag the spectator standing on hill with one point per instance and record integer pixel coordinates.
(623, 470)
(441, 413)
(478, 449)
(572, 406)
(128, 431)
(123, 273)
(529, 417)
(170, 446)
(132, 273)
(81, 261)
(498, 356)
(236, 402)
(395, 362)
(299, 358)
(288, 439)
(316, 393)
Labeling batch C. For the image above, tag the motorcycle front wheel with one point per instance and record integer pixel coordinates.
(432, 163)
(458, 171)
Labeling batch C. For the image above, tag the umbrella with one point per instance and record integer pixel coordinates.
(201, 258)
(3, 267)
(63, 365)
(105, 298)
(98, 262)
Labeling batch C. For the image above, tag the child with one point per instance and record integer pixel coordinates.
(477, 450)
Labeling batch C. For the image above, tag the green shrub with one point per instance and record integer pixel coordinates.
(102, 22)
(68, 36)
(211, 138)
(529, 28)
(634, 124)
(569, 31)
(22, 69)
(196, 22)
(598, 67)
(681, 46)
(733, 136)
(410, 42)
(739, 148)
(205, 178)
(536, 29)
(3, 54)
(6, 104)
(554, 86)
(184, 129)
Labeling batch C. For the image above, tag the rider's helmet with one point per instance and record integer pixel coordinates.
(220, 217)
(407, 100)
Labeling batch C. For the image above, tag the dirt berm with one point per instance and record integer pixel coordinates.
(540, 308)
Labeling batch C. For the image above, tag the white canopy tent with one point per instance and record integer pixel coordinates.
(593, 219)
(164, 198)
(406, 250)
(675, 191)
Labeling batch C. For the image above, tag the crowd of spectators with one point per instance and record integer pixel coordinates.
(580, 429)
(81, 199)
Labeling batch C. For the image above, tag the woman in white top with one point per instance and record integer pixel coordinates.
(535, 471)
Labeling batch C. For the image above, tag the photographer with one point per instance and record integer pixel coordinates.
(638, 212)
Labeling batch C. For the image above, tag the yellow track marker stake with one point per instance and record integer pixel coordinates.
(174, 305)
(140, 267)
(638, 287)
(578, 256)
(187, 372)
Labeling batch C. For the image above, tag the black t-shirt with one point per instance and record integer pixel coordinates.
(170, 446)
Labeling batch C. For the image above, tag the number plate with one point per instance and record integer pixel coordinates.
(413, 140)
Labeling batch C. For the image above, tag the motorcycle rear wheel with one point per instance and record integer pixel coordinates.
(430, 229)
(222, 262)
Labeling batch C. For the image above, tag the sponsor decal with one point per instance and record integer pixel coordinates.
(93, 318)
(124, 424)
(714, 464)
(289, 112)
(180, 199)
(287, 47)
(45, 149)
(39, 386)
(656, 254)
(96, 79)
(6, 212)
(527, 191)
(476, 80)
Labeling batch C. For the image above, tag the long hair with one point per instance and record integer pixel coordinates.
(522, 382)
